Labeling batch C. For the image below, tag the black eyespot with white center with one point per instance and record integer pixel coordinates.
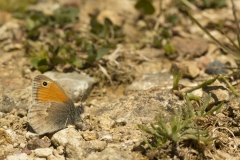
(45, 83)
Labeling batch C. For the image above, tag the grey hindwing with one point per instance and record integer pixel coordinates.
(51, 116)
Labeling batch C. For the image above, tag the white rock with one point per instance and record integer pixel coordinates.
(43, 152)
(60, 150)
(71, 140)
(66, 136)
(30, 136)
(107, 138)
(21, 156)
(22, 145)
(75, 147)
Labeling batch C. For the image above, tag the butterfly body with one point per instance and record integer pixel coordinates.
(52, 108)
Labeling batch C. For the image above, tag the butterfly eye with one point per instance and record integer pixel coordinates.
(45, 83)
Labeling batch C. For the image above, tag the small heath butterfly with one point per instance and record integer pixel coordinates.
(52, 108)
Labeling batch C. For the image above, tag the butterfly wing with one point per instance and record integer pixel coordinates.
(46, 90)
(47, 117)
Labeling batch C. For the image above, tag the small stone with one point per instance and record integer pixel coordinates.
(38, 143)
(22, 145)
(15, 144)
(2, 115)
(66, 136)
(189, 69)
(107, 138)
(95, 145)
(120, 122)
(21, 156)
(71, 140)
(189, 48)
(218, 92)
(60, 150)
(106, 123)
(43, 152)
(52, 157)
(26, 150)
(215, 68)
(8, 147)
(90, 135)
(30, 135)
(5, 137)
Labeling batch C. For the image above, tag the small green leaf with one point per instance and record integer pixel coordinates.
(92, 53)
(42, 62)
(43, 68)
(57, 60)
(78, 63)
(101, 52)
(30, 24)
(145, 6)
(34, 62)
(169, 49)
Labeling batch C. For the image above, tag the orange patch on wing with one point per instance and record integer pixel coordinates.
(51, 93)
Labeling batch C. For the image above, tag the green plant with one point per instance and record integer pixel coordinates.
(184, 125)
(210, 81)
(202, 3)
(145, 6)
(176, 78)
(54, 39)
(236, 47)
(214, 3)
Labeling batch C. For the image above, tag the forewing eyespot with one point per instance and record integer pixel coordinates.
(44, 83)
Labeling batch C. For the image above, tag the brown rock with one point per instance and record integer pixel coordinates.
(189, 69)
(38, 143)
(189, 48)
(90, 135)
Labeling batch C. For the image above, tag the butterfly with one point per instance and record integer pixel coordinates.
(52, 108)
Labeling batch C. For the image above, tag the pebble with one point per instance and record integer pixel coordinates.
(215, 68)
(38, 143)
(2, 115)
(106, 123)
(90, 135)
(60, 150)
(52, 157)
(43, 152)
(30, 135)
(21, 156)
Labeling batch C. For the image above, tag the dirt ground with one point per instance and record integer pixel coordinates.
(126, 52)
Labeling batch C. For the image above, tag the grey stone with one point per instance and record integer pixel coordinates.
(149, 80)
(110, 153)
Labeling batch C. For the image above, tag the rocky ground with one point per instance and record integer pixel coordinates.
(127, 87)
